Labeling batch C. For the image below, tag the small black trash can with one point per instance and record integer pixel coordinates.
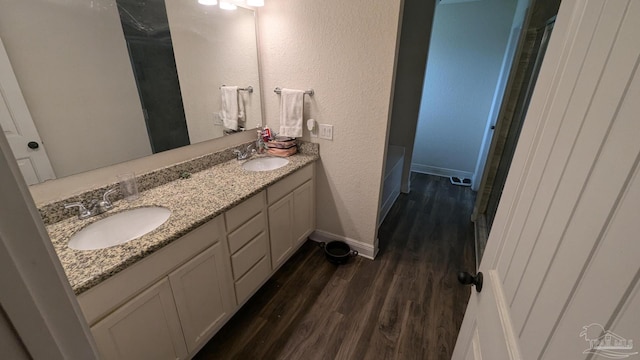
(338, 252)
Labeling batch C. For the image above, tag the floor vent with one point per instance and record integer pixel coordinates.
(460, 181)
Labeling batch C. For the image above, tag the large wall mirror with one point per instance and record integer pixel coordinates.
(107, 81)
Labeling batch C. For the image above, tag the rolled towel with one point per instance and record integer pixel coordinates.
(281, 144)
(283, 152)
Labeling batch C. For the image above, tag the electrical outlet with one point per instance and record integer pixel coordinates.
(217, 120)
(326, 131)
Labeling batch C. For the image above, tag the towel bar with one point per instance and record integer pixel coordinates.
(309, 92)
(248, 89)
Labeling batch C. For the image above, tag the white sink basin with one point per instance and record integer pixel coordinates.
(119, 228)
(265, 164)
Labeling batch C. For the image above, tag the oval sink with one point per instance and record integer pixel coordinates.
(265, 164)
(119, 228)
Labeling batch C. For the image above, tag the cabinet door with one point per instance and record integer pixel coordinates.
(281, 229)
(303, 212)
(204, 295)
(146, 327)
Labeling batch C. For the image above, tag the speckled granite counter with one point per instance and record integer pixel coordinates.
(193, 202)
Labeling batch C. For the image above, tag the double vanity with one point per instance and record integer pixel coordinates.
(165, 294)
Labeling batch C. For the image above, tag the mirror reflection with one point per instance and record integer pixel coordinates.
(95, 83)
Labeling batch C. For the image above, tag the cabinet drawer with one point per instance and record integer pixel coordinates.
(252, 279)
(249, 255)
(243, 212)
(246, 232)
(276, 191)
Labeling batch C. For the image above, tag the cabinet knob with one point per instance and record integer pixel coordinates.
(33, 145)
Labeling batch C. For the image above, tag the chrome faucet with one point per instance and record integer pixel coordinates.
(96, 207)
(242, 155)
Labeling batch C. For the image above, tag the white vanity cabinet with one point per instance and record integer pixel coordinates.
(291, 213)
(189, 298)
(169, 304)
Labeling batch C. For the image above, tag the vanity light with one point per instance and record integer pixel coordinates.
(255, 3)
(227, 6)
(208, 2)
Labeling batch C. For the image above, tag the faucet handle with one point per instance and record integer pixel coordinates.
(239, 154)
(83, 211)
(106, 202)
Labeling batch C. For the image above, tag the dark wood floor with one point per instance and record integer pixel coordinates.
(406, 304)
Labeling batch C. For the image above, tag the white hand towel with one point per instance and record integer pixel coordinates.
(242, 115)
(291, 102)
(229, 105)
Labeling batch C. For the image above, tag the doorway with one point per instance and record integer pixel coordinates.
(471, 49)
(146, 31)
(517, 63)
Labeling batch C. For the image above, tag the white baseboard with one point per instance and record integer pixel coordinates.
(365, 250)
(386, 206)
(438, 171)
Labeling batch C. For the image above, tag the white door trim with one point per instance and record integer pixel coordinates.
(36, 295)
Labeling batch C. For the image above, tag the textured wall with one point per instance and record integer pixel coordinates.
(467, 47)
(72, 64)
(344, 50)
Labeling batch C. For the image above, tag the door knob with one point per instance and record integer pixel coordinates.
(467, 279)
(33, 145)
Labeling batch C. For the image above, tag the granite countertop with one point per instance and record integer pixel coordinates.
(193, 202)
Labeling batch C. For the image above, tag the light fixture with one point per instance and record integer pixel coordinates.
(227, 5)
(208, 2)
(255, 3)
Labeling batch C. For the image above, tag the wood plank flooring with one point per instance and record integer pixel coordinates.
(406, 304)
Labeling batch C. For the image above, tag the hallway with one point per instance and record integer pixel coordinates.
(407, 304)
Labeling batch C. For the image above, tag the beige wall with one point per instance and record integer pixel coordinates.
(224, 52)
(72, 64)
(345, 51)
